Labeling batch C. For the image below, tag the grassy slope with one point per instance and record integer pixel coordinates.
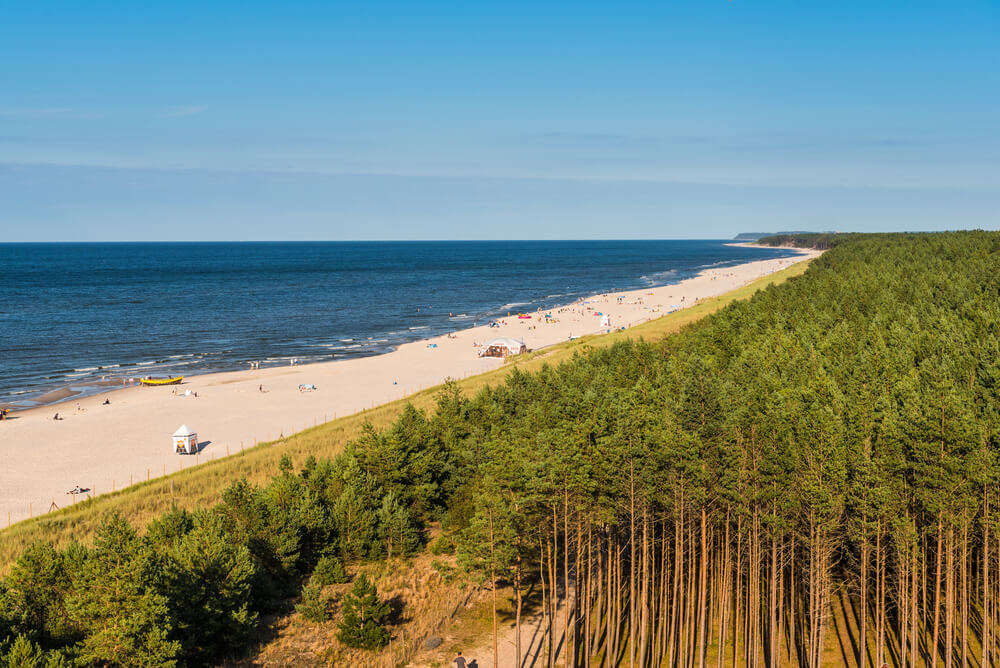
(202, 485)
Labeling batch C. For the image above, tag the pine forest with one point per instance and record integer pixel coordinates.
(726, 496)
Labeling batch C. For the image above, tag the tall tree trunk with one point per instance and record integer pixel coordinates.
(674, 616)
(726, 593)
(554, 585)
(937, 592)
(546, 608)
(793, 593)
(493, 585)
(587, 607)
(949, 597)
(780, 631)
(863, 603)
(965, 592)
(658, 598)
(519, 606)
(880, 596)
(737, 618)
(644, 597)
(568, 603)
(631, 566)
(903, 563)
(913, 598)
(984, 653)
(703, 591)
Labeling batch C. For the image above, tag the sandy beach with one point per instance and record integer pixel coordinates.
(104, 447)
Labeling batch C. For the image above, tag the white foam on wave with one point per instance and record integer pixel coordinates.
(515, 304)
(88, 368)
(419, 327)
(658, 277)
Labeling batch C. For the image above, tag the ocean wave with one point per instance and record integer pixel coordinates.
(658, 277)
(515, 305)
(419, 327)
(88, 368)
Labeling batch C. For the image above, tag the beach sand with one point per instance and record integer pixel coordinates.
(104, 447)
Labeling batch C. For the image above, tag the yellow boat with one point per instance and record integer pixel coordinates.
(161, 381)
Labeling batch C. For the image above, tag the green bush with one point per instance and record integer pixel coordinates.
(329, 571)
(314, 605)
(442, 545)
(365, 616)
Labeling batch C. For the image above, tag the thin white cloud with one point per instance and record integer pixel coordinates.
(44, 112)
(47, 113)
(187, 110)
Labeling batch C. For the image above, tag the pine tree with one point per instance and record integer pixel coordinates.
(364, 620)
(207, 579)
(115, 602)
(37, 586)
(314, 606)
(396, 527)
(329, 570)
(23, 654)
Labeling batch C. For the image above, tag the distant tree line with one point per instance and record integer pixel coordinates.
(816, 240)
(703, 499)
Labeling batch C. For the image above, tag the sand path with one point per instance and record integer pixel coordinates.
(104, 447)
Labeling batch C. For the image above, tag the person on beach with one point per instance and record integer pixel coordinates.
(107, 402)
(460, 661)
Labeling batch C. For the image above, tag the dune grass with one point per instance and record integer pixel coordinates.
(202, 485)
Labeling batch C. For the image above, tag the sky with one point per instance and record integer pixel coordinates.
(513, 120)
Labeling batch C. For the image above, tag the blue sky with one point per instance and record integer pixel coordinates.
(375, 120)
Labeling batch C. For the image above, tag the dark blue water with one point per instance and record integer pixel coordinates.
(71, 314)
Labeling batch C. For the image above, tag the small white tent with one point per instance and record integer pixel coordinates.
(185, 441)
(503, 347)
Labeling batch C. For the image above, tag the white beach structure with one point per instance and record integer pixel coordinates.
(185, 441)
(503, 347)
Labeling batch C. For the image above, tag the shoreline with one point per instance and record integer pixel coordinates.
(101, 446)
(68, 391)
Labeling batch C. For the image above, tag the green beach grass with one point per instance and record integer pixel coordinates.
(202, 485)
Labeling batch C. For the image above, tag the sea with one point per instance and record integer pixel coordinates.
(83, 316)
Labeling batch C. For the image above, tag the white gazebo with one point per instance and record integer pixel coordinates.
(185, 441)
(503, 347)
